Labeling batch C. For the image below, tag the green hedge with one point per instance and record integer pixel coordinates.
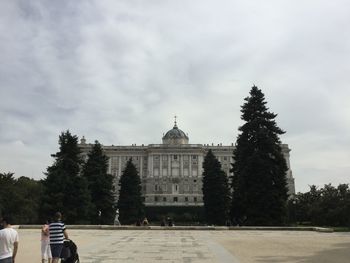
(181, 215)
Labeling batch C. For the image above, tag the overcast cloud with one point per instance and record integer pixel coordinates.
(118, 71)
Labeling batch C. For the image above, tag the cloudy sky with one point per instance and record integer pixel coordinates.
(118, 71)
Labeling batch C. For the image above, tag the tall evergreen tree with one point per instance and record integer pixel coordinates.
(216, 194)
(259, 168)
(65, 190)
(130, 203)
(100, 186)
(7, 190)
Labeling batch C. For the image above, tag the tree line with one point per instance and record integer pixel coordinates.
(326, 206)
(255, 194)
(81, 189)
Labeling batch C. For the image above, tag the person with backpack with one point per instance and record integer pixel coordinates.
(58, 233)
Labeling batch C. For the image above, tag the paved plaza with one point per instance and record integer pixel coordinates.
(196, 246)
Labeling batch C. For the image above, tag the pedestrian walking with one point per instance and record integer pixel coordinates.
(45, 243)
(8, 242)
(58, 233)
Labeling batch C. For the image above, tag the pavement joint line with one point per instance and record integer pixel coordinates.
(219, 251)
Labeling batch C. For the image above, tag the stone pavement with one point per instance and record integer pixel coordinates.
(174, 246)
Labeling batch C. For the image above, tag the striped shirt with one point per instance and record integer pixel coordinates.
(56, 232)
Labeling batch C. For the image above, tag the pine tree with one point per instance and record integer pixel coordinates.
(100, 186)
(259, 168)
(65, 190)
(216, 194)
(130, 201)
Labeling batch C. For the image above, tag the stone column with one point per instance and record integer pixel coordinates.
(160, 165)
(169, 165)
(151, 166)
(119, 165)
(200, 165)
(190, 165)
(181, 165)
(110, 165)
(141, 166)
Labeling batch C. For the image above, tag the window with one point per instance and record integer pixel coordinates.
(194, 199)
(185, 171)
(175, 189)
(156, 187)
(186, 199)
(156, 199)
(194, 157)
(225, 158)
(175, 157)
(156, 171)
(175, 171)
(164, 199)
(175, 199)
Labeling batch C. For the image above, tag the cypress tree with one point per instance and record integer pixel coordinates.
(130, 201)
(65, 190)
(259, 168)
(100, 186)
(216, 194)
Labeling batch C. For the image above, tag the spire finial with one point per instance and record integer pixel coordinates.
(175, 123)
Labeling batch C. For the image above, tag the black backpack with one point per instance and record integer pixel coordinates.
(69, 252)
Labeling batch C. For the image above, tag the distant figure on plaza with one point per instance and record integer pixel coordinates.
(45, 243)
(163, 222)
(116, 219)
(99, 217)
(58, 233)
(170, 222)
(145, 221)
(8, 242)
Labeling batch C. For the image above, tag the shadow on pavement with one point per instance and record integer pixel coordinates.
(337, 253)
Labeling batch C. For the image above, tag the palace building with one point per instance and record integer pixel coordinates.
(171, 172)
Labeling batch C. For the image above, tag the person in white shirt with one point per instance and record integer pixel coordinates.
(8, 242)
(45, 243)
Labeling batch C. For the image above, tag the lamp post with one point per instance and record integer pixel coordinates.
(99, 216)
(294, 212)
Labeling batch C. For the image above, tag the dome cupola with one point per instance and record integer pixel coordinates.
(175, 136)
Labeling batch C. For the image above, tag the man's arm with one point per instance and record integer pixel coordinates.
(65, 234)
(15, 248)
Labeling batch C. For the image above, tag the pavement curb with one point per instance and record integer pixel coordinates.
(211, 228)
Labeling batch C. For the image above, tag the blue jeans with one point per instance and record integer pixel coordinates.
(55, 250)
(6, 260)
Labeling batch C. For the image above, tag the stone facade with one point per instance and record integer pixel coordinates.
(171, 172)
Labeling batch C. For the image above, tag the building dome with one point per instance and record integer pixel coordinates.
(175, 136)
